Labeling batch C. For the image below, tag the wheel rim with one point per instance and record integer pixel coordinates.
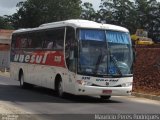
(60, 89)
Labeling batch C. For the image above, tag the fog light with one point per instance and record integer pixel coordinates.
(129, 91)
(82, 82)
(126, 84)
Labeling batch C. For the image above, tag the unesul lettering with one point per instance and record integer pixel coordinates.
(31, 58)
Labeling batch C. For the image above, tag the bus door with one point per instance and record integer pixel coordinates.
(70, 45)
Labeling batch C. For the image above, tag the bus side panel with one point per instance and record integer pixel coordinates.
(14, 71)
(47, 79)
(32, 74)
(47, 76)
(70, 82)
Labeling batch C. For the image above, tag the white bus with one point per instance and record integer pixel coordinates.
(80, 57)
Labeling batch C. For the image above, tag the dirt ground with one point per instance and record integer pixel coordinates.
(147, 70)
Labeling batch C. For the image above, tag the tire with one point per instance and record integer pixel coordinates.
(60, 91)
(21, 80)
(24, 84)
(107, 97)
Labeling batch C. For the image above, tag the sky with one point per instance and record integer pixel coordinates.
(8, 7)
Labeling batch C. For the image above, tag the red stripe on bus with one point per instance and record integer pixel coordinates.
(52, 58)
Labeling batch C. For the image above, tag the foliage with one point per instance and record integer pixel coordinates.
(148, 15)
(88, 13)
(4, 23)
(137, 14)
(32, 13)
(132, 14)
(119, 12)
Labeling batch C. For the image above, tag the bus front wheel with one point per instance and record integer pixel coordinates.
(60, 91)
(105, 97)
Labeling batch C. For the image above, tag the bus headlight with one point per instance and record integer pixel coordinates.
(82, 82)
(126, 84)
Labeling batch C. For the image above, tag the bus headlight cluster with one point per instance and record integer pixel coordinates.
(82, 82)
(126, 84)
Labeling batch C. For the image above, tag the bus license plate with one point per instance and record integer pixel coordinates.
(107, 91)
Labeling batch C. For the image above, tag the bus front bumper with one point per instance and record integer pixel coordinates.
(94, 90)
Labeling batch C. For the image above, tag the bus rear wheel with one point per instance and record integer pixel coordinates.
(105, 97)
(22, 83)
(21, 80)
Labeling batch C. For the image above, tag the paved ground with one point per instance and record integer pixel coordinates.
(8, 111)
(6, 74)
(11, 112)
(43, 103)
(5, 108)
(148, 96)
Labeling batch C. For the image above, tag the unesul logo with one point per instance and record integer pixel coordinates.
(31, 58)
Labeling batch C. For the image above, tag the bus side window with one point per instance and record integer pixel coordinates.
(31, 40)
(20, 41)
(35, 40)
(50, 45)
(39, 39)
(54, 39)
(48, 39)
(59, 41)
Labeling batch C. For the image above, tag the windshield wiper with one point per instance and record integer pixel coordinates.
(115, 63)
(100, 57)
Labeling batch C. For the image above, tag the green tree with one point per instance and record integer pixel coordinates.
(5, 24)
(88, 12)
(32, 13)
(148, 15)
(106, 10)
(135, 14)
(119, 12)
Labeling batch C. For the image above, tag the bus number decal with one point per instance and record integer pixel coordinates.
(57, 58)
(85, 78)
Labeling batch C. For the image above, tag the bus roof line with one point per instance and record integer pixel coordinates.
(76, 23)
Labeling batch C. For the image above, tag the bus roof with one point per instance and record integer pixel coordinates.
(76, 23)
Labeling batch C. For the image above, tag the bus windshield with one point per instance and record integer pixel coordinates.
(103, 52)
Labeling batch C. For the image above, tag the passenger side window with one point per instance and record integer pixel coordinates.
(54, 39)
(20, 41)
(35, 40)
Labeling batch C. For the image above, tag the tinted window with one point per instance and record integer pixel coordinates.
(35, 40)
(54, 39)
(19, 41)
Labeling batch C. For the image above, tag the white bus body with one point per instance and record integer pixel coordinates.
(107, 47)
